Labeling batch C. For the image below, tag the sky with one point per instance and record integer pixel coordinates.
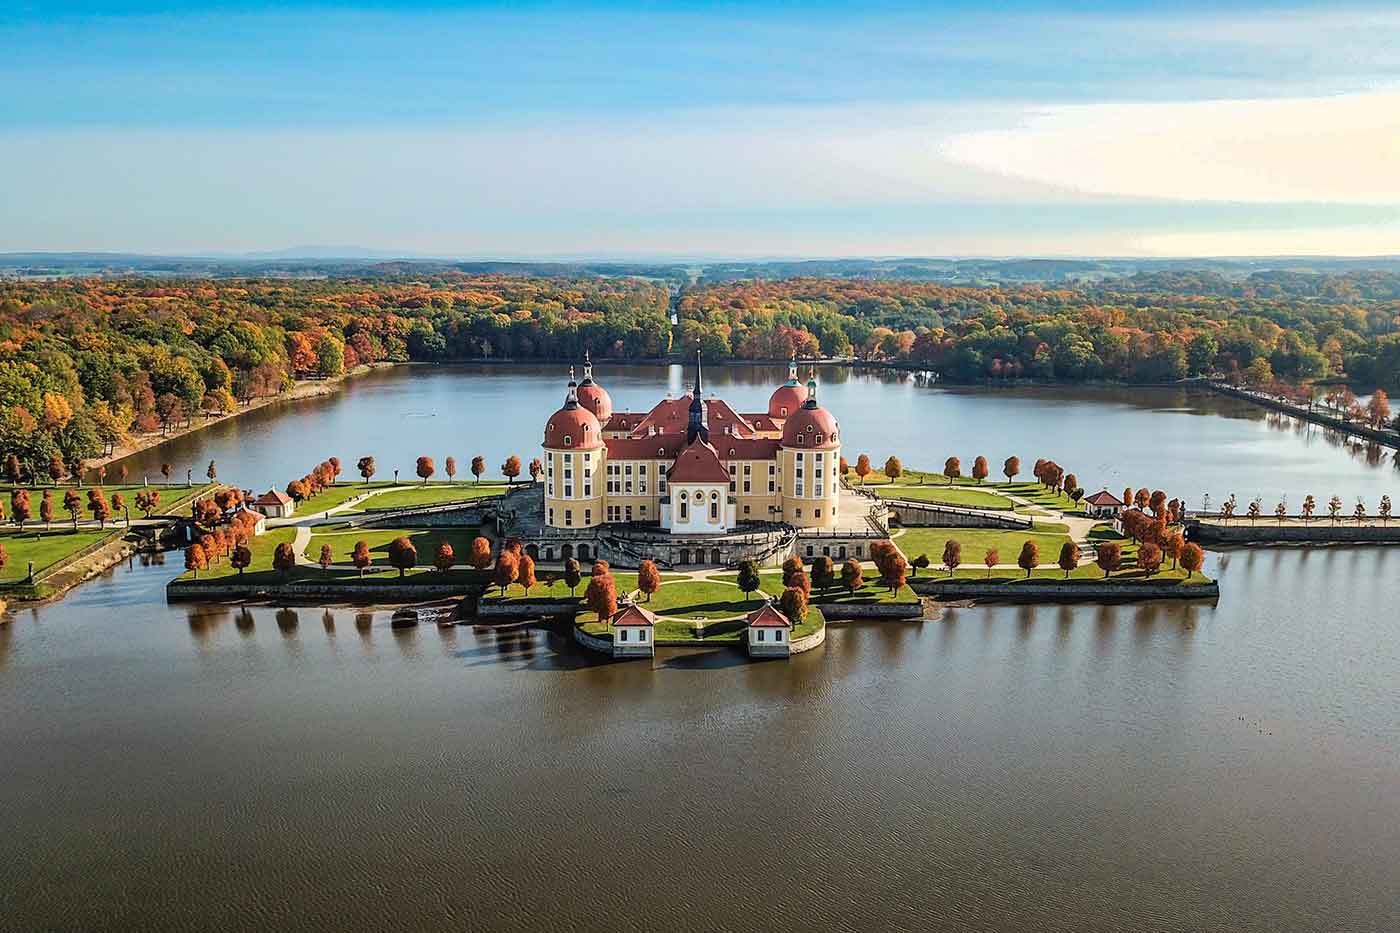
(690, 130)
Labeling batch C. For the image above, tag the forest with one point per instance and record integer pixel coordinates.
(87, 362)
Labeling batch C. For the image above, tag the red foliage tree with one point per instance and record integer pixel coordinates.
(361, 557)
(648, 578)
(480, 557)
(424, 468)
(511, 468)
(402, 554)
(507, 569)
(1029, 557)
(444, 557)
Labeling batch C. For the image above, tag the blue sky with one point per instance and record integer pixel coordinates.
(616, 129)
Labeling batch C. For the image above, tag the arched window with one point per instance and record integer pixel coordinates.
(568, 440)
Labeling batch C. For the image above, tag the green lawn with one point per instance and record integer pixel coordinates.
(964, 496)
(431, 494)
(172, 498)
(259, 570)
(45, 548)
(1049, 537)
(930, 484)
(871, 591)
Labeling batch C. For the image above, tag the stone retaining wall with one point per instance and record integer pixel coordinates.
(602, 646)
(486, 610)
(807, 643)
(925, 515)
(1321, 533)
(1036, 591)
(178, 590)
(843, 611)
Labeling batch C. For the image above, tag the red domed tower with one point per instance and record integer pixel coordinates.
(592, 396)
(808, 461)
(788, 397)
(575, 464)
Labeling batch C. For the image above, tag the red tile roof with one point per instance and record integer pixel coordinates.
(273, 497)
(746, 448)
(768, 617)
(634, 615)
(698, 463)
(1103, 499)
(660, 447)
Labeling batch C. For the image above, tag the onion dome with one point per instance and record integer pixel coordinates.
(593, 396)
(811, 426)
(573, 427)
(788, 397)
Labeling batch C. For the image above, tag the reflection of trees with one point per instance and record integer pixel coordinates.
(6, 644)
(204, 619)
(287, 621)
(328, 621)
(244, 621)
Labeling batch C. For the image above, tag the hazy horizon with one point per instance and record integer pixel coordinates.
(686, 130)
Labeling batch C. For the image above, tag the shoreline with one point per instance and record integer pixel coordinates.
(304, 389)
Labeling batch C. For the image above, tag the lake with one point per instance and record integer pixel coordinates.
(1154, 767)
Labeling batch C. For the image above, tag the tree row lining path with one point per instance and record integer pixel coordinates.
(1079, 528)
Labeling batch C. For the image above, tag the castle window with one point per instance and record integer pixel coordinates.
(568, 518)
(588, 516)
(799, 513)
(685, 511)
(819, 439)
(799, 456)
(551, 516)
(714, 511)
(817, 513)
(568, 440)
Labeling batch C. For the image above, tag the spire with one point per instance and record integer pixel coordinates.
(587, 368)
(811, 388)
(698, 425)
(571, 399)
(572, 380)
(792, 369)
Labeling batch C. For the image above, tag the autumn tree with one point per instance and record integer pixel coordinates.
(119, 507)
(793, 604)
(511, 469)
(536, 470)
(1149, 558)
(444, 557)
(792, 566)
(506, 570)
(919, 563)
(402, 554)
(72, 504)
(1309, 507)
(361, 557)
(480, 556)
(952, 555)
(893, 468)
(195, 559)
(991, 559)
(980, 470)
(1383, 511)
(241, 557)
(449, 466)
(862, 467)
(212, 471)
(46, 508)
(1011, 468)
(1360, 511)
(525, 573)
(823, 573)
(1378, 409)
(366, 467)
(1192, 558)
(1109, 557)
(573, 573)
(19, 507)
(648, 578)
(601, 596)
(852, 575)
(478, 466)
(1334, 508)
(1029, 557)
(99, 507)
(1069, 557)
(424, 468)
(284, 559)
(952, 469)
(327, 558)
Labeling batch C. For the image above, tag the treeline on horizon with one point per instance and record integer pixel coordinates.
(87, 362)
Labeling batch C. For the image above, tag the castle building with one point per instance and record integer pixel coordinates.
(692, 465)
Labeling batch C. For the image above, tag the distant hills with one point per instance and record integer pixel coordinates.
(350, 261)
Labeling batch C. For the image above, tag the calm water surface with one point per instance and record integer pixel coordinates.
(1155, 767)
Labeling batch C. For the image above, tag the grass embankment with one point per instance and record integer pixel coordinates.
(171, 497)
(871, 592)
(964, 491)
(1049, 537)
(431, 494)
(46, 548)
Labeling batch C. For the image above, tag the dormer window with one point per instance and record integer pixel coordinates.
(568, 440)
(661, 451)
(819, 439)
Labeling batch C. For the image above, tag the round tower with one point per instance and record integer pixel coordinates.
(788, 397)
(574, 466)
(808, 461)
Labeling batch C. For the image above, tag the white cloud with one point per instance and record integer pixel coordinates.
(1342, 150)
